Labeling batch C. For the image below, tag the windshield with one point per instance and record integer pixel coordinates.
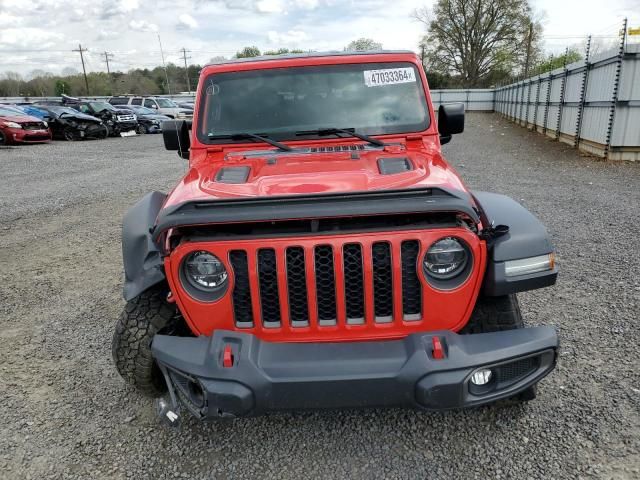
(144, 111)
(372, 98)
(11, 112)
(100, 106)
(164, 103)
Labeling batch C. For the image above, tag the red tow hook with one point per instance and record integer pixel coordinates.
(227, 357)
(171, 298)
(438, 350)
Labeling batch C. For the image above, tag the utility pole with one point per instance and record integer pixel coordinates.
(186, 68)
(107, 57)
(84, 70)
(529, 42)
(166, 75)
(422, 55)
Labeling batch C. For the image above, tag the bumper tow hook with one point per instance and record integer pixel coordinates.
(167, 414)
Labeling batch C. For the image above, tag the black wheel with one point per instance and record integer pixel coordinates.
(141, 129)
(104, 134)
(495, 314)
(142, 317)
(69, 134)
(3, 139)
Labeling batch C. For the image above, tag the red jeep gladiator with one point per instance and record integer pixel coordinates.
(320, 252)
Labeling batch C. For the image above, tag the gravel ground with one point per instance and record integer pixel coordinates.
(67, 414)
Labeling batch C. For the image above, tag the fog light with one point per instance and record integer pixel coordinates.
(481, 377)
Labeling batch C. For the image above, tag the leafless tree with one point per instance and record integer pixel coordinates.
(479, 40)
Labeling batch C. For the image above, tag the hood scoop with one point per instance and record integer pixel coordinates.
(389, 166)
(233, 175)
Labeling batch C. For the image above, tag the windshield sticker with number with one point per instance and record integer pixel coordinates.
(390, 76)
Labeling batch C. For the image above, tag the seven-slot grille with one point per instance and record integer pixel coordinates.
(328, 284)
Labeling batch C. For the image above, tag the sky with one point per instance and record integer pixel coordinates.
(41, 34)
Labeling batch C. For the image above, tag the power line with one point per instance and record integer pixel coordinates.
(84, 70)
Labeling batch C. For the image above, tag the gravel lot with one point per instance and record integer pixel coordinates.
(67, 413)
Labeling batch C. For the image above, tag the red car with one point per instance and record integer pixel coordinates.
(17, 127)
(320, 252)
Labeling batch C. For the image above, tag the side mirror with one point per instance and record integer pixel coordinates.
(175, 134)
(154, 106)
(450, 121)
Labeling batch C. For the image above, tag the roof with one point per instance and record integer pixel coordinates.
(287, 56)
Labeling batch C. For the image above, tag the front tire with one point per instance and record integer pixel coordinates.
(69, 134)
(141, 129)
(142, 318)
(495, 314)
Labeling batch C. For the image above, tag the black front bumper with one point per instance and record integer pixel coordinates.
(267, 376)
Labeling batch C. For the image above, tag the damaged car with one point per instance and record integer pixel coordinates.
(18, 127)
(149, 121)
(119, 122)
(69, 124)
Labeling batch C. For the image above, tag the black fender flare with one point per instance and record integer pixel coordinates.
(527, 237)
(141, 256)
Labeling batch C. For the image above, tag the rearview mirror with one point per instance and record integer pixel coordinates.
(175, 134)
(450, 121)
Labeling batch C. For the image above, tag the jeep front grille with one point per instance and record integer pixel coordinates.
(327, 285)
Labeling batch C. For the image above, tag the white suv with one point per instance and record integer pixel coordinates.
(162, 105)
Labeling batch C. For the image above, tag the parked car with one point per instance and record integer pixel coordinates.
(18, 127)
(69, 124)
(119, 122)
(161, 105)
(320, 252)
(149, 121)
(187, 105)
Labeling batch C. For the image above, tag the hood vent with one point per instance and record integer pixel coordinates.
(337, 148)
(233, 175)
(389, 166)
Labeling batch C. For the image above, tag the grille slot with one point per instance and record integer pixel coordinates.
(382, 282)
(268, 280)
(297, 287)
(325, 285)
(353, 283)
(338, 148)
(242, 309)
(411, 288)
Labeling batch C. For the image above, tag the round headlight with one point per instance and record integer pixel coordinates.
(205, 271)
(446, 259)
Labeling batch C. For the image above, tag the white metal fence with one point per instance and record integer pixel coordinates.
(593, 105)
(475, 99)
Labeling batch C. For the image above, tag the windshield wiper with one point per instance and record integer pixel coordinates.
(347, 131)
(251, 136)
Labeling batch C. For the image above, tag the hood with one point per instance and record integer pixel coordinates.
(252, 174)
(152, 116)
(20, 118)
(79, 116)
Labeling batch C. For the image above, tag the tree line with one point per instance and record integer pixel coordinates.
(467, 44)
